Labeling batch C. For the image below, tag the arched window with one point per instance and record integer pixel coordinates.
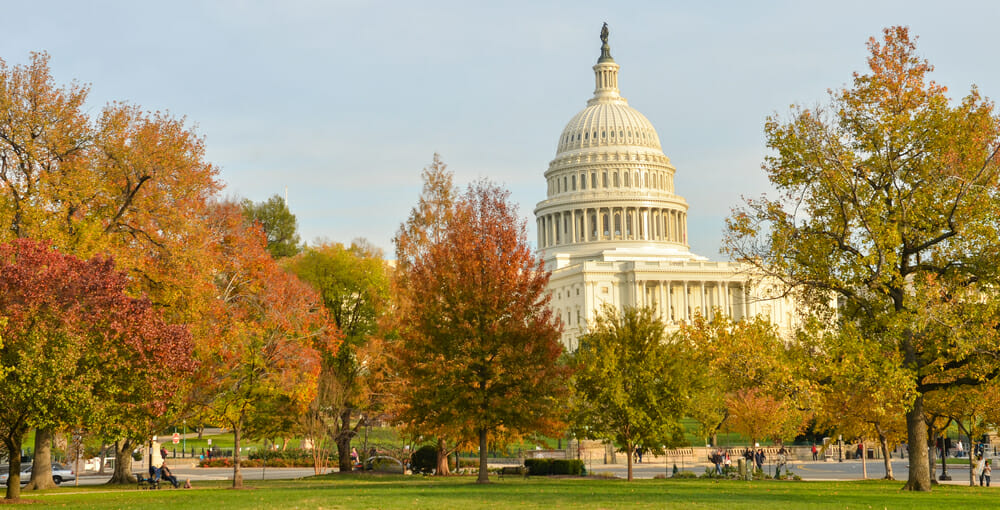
(616, 180)
(626, 179)
(574, 183)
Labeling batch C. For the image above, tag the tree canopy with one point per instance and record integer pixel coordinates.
(279, 224)
(630, 384)
(887, 200)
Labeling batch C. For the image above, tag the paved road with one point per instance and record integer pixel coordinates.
(846, 470)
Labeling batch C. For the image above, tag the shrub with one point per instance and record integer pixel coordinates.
(424, 460)
(685, 474)
(546, 467)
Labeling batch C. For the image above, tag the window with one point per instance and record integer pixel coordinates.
(593, 179)
(574, 183)
(605, 179)
(583, 181)
(616, 180)
(626, 180)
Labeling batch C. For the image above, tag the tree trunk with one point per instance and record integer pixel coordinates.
(932, 457)
(884, 444)
(237, 473)
(442, 459)
(628, 453)
(123, 463)
(41, 468)
(344, 453)
(13, 444)
(104, 458)
(344, 436)
(484, 475)
(201, 432)
(916, 437)
(864, 461)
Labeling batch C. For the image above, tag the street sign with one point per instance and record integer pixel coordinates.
(177, 438)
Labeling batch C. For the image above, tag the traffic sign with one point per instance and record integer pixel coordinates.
(177, 438)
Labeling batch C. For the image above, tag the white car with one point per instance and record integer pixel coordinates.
(60, 474)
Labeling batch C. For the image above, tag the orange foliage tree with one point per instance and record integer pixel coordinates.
(128, 184)
(267, 329)
(479, 348)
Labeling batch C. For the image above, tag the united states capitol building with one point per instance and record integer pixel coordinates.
(613, 230)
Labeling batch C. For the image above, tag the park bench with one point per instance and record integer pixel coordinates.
(146, 483)
(513, 470)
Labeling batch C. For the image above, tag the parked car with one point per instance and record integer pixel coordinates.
(60, 474)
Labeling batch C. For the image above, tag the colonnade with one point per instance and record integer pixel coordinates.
(612, 224)
(678, 300)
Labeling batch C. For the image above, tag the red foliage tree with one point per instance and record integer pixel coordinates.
(74, 344)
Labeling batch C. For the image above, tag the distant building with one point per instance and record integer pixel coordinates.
(613, 230)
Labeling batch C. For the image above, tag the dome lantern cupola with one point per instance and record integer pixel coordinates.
(606, 75)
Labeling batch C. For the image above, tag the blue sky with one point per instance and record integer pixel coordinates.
(345, 102)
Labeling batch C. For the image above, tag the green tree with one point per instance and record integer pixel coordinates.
(353, 284)
(279, 224)
(479, 352)
(887, 202)
(630, 384)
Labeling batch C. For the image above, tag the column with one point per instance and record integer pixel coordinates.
(572, 238)
(705, 311)
(687, 302)
(669, 302)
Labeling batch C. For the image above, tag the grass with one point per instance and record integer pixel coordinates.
(366, 491)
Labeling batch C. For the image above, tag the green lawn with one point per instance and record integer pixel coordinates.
(359, 491)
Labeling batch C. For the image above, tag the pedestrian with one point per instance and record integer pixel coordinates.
(759, 458)
(959, 449)
(815, 452)
(860, 452)
(980, 468)
(987, 471)
(717, 461)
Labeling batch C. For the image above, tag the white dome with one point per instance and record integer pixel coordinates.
(606, 124)
(610, 187)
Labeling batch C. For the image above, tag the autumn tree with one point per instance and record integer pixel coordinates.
(738, 356)
(128, 184)
(887, 190)
(424, 228)
(859, 390)
(74, 345)
(353, 283)
(269, 329)
(630, 384)
(479, 354)
(279, 224)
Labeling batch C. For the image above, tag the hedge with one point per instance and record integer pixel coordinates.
(546, 467)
